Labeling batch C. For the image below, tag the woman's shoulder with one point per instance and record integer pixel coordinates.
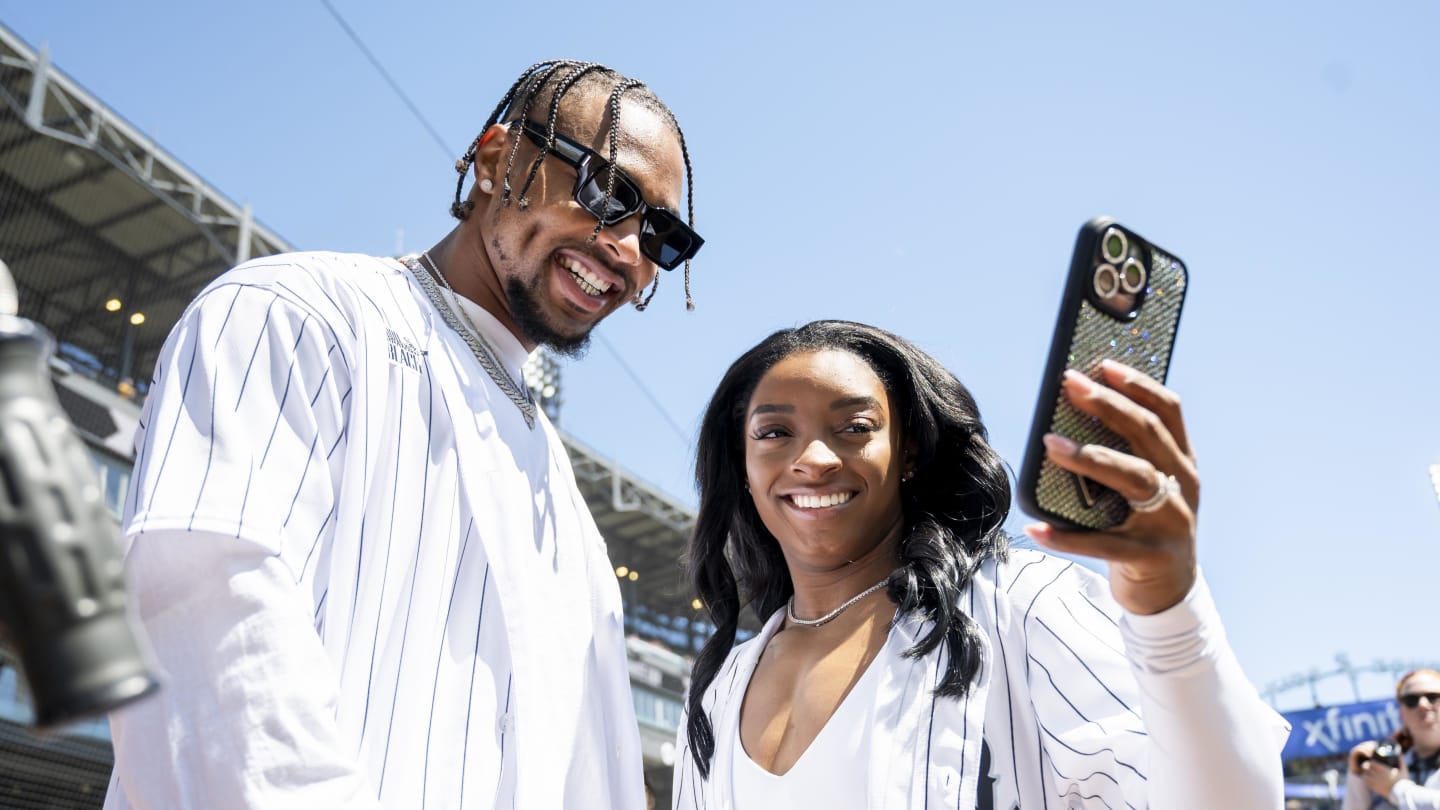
(1027, 575)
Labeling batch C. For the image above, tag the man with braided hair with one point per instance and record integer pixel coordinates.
(356, 545)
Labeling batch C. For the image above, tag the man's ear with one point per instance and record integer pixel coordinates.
(490, 157)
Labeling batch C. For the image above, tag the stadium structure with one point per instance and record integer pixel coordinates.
(1331, 710)
(109, 237)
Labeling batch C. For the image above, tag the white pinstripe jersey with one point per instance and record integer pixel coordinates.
(317, 435)
(1057, 709)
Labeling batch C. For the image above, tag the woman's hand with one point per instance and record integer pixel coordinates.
(1152, 554)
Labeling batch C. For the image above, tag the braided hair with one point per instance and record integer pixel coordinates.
(954, 508)
(558, 78)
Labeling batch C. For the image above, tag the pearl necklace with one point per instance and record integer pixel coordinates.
(790, 607)
(479, 346)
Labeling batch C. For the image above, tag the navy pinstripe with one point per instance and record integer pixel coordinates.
(210, 429)
(389, 541)
(184, 393)
(254, 351)
(409, 604)
(1086, 666)
(285, 395)
(434, 686)
(479, 623)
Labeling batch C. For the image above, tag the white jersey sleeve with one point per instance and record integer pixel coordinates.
(1213, 741)
(232, 485)
(246, 715)
(247, 407)
(1138, 711)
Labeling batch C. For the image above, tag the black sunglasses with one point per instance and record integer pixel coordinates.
(664, 238)
(1411, 701)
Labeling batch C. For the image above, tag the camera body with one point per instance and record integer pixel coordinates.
(63, 604)
(1388, 752)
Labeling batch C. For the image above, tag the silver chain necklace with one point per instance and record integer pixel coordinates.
(790, 607)
(479, 346)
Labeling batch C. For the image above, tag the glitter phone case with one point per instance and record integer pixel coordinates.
(1122, 301)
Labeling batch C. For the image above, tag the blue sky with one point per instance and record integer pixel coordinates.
(924, 167)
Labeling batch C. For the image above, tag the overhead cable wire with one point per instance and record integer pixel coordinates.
(646, 391)
(385, 74)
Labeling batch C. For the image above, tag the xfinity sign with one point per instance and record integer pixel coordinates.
(1337, 729)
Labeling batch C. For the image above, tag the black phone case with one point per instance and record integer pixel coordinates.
(1084, 335)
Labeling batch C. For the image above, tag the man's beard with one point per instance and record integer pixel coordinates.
(525, 310)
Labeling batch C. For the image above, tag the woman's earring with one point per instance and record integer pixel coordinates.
(486, 185)
(907, 475)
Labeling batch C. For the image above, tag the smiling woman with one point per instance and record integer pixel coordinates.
(823, 465)
(909, 658)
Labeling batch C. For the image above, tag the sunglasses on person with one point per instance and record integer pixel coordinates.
(664, 238)
(1411, 701)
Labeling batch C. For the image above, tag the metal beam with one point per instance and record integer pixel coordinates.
(88, 124)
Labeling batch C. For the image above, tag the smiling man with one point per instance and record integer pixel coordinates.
(356, 544)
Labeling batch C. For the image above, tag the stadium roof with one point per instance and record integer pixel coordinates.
(646, 532)
(91, 209)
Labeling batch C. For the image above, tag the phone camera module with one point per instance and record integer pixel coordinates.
(1114, 245)
(1106, 281)
(1132, 276)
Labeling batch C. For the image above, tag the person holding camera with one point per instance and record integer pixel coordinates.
(1403, 772)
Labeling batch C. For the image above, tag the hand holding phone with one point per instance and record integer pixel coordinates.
(1121, 302)
(1109, 467)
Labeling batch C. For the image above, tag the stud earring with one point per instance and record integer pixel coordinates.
(486, 185)
(907, 475)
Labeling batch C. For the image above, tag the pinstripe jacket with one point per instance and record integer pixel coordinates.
(369, 582)
(1059, 702)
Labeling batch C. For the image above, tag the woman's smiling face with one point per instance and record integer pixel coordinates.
(823, 459)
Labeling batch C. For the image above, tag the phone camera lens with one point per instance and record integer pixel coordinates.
(1132, 276)
(1106, 281)
(1113, 245)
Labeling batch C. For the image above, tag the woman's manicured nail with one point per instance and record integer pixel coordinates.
(1078, 380)
(1060, 445)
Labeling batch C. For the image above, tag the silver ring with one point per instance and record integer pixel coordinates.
(1167, 486)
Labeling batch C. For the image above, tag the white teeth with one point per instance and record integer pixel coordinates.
(820, 501)
(588, 281)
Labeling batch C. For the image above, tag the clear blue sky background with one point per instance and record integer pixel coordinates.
(924, 166)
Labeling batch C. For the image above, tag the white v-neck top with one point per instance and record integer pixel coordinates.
(814, 780)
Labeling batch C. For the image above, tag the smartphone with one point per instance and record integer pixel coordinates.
(1121, 301)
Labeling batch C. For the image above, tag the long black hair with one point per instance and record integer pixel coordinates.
(954, 507)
